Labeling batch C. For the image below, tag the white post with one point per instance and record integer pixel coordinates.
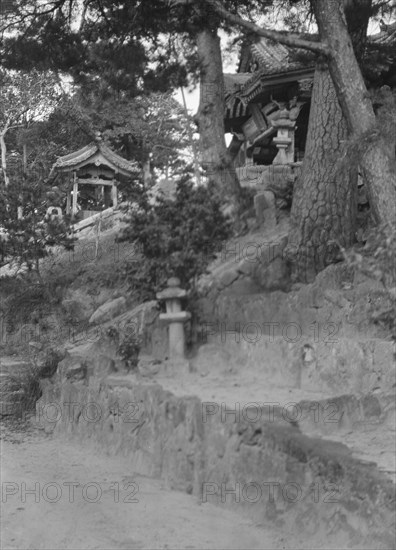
(114, 194)
(75, 192)
(68, 202)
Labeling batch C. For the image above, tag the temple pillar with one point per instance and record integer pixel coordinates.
(114, 194)
(75, 193)
(68, 202)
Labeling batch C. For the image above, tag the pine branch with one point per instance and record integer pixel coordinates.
(288, 39)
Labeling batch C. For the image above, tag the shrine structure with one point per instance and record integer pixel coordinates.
(93, 175)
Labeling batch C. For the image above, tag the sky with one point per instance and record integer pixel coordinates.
(192, 97)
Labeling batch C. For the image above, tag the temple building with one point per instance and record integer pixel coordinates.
(267, 111)
(269, 80)
(273, 79)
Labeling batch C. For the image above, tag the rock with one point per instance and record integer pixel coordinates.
(141, 315)
(228, 277)
(277, 178)
(245, 266)
(48, 360)
(35, 346)
(72, 368)
(148, 366)
(371, 406)
(77, 305)
(273, 276)
(215, 358)
(242, 287)
(334, 276)
(76, 372)
(103, 366)
(108, 311)
(336, 298)
(264, 204)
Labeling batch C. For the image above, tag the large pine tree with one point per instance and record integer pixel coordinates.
(342, 124)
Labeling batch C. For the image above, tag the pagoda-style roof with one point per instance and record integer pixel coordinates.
(233, 84)
(266, 64)
(95, 153)
(387, 34)
(263, 65)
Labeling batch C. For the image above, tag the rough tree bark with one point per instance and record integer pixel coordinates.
(364, 136)
(324, 198)
(324, 201)
(379, 167)
(215, 157)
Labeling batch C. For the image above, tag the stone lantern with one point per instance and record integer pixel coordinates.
(285, 138)
(175, 317)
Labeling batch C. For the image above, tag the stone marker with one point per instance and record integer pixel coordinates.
(175, 317)
(264, 204)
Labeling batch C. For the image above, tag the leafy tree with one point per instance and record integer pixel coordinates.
(25, 97)
(151, 129)
(132, 48)
(29, 238)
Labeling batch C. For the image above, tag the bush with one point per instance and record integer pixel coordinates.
(23, 387)
(23, 298)
(28, 240)
(176, 238)
(129, 350)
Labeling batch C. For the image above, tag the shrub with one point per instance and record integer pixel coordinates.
(175, 237)
(29, 239)
(129, 350)
(24, 388)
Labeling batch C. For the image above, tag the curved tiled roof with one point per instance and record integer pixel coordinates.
(273, 60)
(233, 84)
(270, 55)
(386, 36)
(75, 159)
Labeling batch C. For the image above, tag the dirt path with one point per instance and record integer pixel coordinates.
(55, 519)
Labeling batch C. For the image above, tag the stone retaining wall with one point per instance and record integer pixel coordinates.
(318, 489)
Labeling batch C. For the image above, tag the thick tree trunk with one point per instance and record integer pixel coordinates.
(323, 210)
(215, 157)
(324, 199)
(379, 167)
